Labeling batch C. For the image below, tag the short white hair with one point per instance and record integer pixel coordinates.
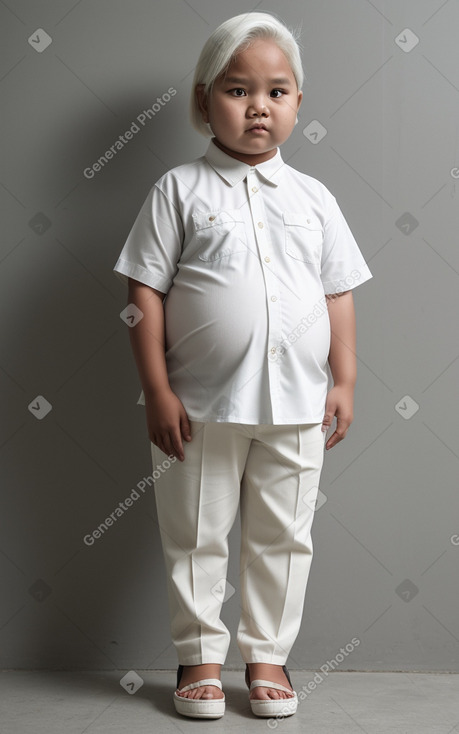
(231, 37)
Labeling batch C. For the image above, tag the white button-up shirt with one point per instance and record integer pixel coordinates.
(245, 255)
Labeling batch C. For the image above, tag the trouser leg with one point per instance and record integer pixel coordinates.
(197, 502)
(278, 493)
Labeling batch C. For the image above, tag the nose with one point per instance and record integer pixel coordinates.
(257, 108)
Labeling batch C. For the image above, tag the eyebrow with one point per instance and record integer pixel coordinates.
(240, 80)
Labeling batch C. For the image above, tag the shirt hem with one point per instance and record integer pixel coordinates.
(246, 422)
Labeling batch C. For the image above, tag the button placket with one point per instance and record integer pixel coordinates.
(272, 290)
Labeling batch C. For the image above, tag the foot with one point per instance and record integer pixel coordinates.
(266, 672)
(193, 673)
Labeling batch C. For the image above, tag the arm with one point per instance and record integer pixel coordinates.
(343, 365)
(167, 420)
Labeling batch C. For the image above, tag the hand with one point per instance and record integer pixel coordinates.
(340, 400)
(167, 423)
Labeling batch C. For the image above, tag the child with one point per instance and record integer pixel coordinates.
(243, 269)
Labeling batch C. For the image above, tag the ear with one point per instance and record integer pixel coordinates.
(202, 101)
(300, 98)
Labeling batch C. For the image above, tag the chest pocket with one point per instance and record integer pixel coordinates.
(219, 233)
(303, 237)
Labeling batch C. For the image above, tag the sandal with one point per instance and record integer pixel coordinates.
(206, 708)
(269, 707)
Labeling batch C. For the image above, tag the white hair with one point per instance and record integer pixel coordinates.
(231, 37)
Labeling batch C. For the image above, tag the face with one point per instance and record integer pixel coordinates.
(252, 108)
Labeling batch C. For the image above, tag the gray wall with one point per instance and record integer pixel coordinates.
(386, 538)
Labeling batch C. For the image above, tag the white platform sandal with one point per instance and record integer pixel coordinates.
(207, 708)
(269, 707)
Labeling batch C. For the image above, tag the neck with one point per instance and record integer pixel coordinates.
(251, 160)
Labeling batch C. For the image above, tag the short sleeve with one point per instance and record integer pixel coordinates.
(154, 244)
(343, 266)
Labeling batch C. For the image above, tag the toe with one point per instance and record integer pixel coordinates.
(262, 693)
(206, 692)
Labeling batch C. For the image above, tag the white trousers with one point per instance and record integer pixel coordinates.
(272, 473)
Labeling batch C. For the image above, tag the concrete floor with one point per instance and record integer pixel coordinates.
(342, 703)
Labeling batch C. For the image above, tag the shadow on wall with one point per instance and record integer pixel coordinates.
(76, 443)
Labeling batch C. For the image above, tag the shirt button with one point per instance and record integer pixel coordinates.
(254, 189)
(308, 221)
(260, 224)
(273, 298)
(273, 350)
(267, 259)
(211, 219)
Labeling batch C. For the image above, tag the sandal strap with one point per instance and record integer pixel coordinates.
(204, 682)
(269, 684)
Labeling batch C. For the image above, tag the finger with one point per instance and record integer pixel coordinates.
(157, 440)
(329, 413)
(176, 441)
(333, 440)
(342, 426)
(336, 437)
(328, 417)
(326, 423)
(185, 426)
(343, 422)
(166, 445)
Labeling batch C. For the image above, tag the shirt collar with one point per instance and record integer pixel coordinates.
(234, 171)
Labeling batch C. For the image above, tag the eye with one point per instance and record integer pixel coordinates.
(237, 89)
(277, 90)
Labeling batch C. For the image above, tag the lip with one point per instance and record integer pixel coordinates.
(257, 128)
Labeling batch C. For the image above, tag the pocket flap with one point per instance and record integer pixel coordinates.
(299, 219)
(224, 220)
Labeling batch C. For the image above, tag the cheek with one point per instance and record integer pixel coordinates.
(227, 113)
(229, 108)
(289, 118)
(220, 109)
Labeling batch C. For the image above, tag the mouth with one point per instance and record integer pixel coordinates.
(257, 127)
